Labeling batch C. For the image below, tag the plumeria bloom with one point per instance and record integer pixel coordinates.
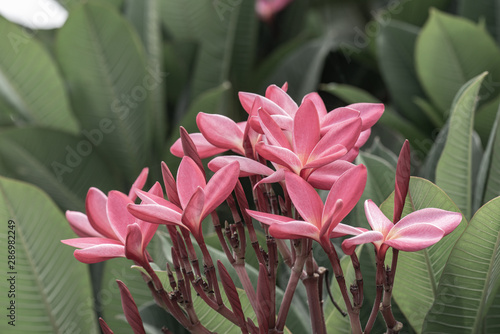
(266, 9)
(320, 221)
(196, 197)
(305, 139)
(416, 231)
(108, 230)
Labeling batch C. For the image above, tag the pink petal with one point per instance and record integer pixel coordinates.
(156, 190)
(282, 99)
(148, 198)
(414, 237)
(336, 116)
(156, 214)
(272, 130)
(130, 309)
(324, 177)
(377, 220)
(305, 130)
(89, 242)
(402, 180)
(80, 224)
(170, 185)
(247, 166)
(204, 148)
(349, 245)
(138, 183)
(119, 217)
(348, 188)
(134, 249)
(189, 178)
(277, 176)
(252, 102)
(220, 186)
(268, 218)
(280, 156)
(363, 138)
(318, 103)
(306, 200)
(294, 230)
(99, 253)
(221, 131)
(192, 215)
(445, 220)
(327, 156)
(342, 229)
(344, 133)
(95, 206)
(370, 113)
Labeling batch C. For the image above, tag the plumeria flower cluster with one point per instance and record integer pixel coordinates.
(300, 147)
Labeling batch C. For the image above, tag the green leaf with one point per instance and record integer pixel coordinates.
(487, 10)
(423, 268)
(471, 278)
(303, 67)
(449, 52)
(109, 80)
(413, 12)
(224, 30)
(485, 118)
(63, 165)
(52, 289)
(492, 182)
(30, 83)
(454, 171)
(144, 16)
(395, 46)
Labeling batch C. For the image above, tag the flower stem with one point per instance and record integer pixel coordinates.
(295, 275)
(339, 275)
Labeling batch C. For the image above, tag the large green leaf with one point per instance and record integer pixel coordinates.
(449, 52)
(491, 183)
(471, 278)
(30, 83)
(224, 30)
(423, 268)
(50, 289)
(414, 12)
(302, 68)
(144, 16)
(109, 80)
(395, 46)
(454, 172)
(63, 165)
(487, 10)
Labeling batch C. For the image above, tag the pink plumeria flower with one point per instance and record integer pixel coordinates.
(196, 197)
(416, 231)
(319, 220)
(266, 9)
(108, 230)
